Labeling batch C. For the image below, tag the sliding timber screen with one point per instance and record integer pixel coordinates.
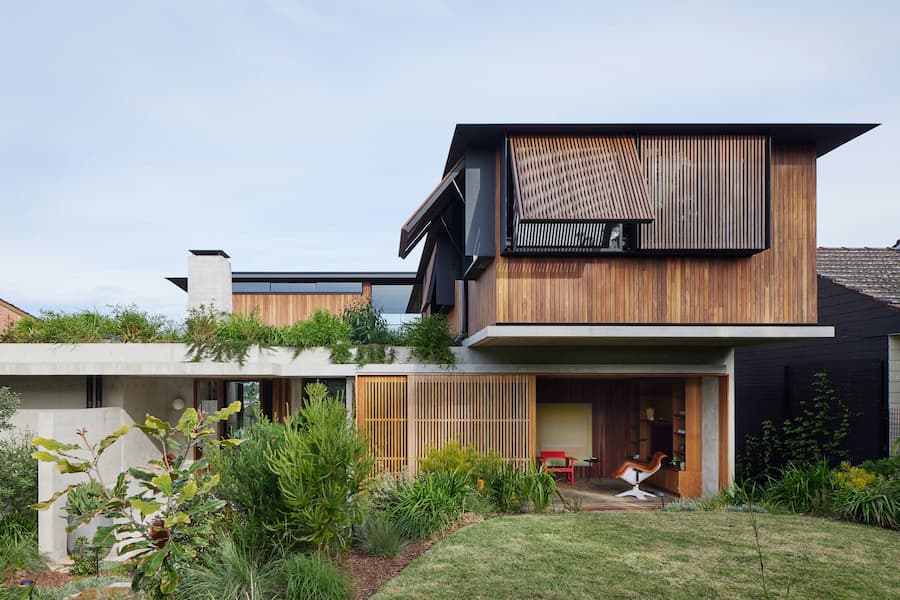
(381, 413)
(490, 412)
(708, 192)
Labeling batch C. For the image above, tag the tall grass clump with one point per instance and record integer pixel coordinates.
(802, 488)
(429, 339)
(380, 536)
(232, 571)
(431, 503)
(19, 549)
(121, 324)
(312, 577)
(226, 337)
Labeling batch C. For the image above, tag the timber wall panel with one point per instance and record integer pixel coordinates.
(490, 412)
(381, 413)
(776, 286)
(286, 309)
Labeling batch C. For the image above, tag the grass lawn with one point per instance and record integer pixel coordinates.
(655, 555)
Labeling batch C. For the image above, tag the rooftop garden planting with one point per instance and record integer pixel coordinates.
(359, 335)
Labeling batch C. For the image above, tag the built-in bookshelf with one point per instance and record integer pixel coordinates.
(668, 420)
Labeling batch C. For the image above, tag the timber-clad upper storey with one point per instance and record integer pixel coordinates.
(623, 224)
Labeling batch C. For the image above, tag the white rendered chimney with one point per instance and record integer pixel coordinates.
(209, 280)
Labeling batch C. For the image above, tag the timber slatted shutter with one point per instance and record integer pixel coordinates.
(708, 192)
(381, 413)
(490, 412)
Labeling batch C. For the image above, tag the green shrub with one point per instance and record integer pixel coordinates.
(83, 501)
(455, 457)
(886, 467)
(9, 404)
(430, 339)
(321, 466)
(19, 481)
(431, 503)
(380, 536)
(816, 433)
(877, 503)
(314, 578)
(802, 488)
(367, 324)
(123, 324)
(226, 337)
(322, 329)
(249, 485)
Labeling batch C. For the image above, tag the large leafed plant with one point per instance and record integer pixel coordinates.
(164, 512)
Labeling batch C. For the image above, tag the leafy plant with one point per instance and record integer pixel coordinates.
(367, 324)
(163, 513)
(224, 337)
(504, 487)
(322, 329)
(322, 466)
(19, 482)
(86, 560)
(430, 339)
(816, 433)
(886, 467)
(123, 324)
(380, 536)
(84, 500)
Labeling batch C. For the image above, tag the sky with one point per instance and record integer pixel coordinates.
(301, 135)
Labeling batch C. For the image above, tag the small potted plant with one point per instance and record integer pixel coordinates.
(676, 461)
(82, 501)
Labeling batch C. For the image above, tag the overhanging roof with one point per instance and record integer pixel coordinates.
(417, 225)
(824, 136)
(663, 334)
(374, 277)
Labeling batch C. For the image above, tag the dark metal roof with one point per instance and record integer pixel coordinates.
(874, 272)
(374, 277)
(825, 136)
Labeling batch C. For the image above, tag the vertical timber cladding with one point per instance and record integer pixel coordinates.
(490, 412)
(381, 413)
(709, 192)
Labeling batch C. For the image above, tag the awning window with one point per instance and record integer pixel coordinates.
(451, 187)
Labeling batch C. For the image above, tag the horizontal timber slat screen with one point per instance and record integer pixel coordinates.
(381, 413)
(709, 192)
(490, 412)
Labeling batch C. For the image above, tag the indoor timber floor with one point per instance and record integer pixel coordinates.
(600, 494)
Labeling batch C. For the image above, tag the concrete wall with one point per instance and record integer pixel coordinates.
(126, 401)
(893, 390)
(209, 282)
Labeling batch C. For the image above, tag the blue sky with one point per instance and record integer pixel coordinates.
(300, 135)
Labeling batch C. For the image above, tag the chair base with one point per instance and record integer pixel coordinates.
(637, 492)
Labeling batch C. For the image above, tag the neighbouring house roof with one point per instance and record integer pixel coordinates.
(12, 307)
(824, 136)
(874, 272)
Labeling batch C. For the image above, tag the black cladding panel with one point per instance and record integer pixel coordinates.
(479, 181)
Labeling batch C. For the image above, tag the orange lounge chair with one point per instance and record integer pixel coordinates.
(568, 471)
(634, 472)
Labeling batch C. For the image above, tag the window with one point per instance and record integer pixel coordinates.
(291, 287)
(250, 287)
(339, 287)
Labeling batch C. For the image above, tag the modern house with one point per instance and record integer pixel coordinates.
(859, 294)
(599, 278)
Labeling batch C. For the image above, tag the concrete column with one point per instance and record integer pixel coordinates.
(209, 280)
(893, 391)
(710, 428)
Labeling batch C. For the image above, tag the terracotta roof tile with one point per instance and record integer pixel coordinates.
(871, 271)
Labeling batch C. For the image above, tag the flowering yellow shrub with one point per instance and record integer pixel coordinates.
(854, 477)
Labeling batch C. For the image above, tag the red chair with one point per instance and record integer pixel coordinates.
(568, 470)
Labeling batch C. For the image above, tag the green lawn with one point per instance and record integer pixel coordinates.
(655, 555)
